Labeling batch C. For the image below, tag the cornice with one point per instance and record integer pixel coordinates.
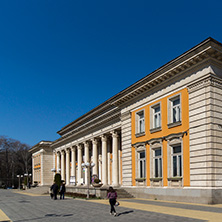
(40, 145)
(103, 109)
(125, 116)
(86, 128)
(209, 49)
(160, 139)
(210, 80)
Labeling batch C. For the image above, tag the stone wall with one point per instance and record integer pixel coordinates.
(126, 149)
(205, 105)
(47, 165)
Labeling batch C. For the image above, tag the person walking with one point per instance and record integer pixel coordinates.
(62, 191)
(51, 192)
(54, 189)
(112, 195)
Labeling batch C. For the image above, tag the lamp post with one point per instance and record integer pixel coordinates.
(53, 170)
(27, 180)
(28, 175)
(88, 166)
(19, 177)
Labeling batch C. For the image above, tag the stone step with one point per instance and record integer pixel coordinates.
(121, 193)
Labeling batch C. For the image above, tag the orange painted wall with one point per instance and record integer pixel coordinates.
(164, 132)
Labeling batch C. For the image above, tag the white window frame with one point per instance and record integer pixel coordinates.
(153, 114)
(171, 108)
(139, 149)
(154, 145)
(142, 172)
(140, 122)
(159, 159)
(177, 155)
(173, 141)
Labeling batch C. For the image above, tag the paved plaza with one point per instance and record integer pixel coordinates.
(21, 207)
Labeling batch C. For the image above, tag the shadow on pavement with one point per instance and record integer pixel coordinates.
(125, 212)
(47, 215)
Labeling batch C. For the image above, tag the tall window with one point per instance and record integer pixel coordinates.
(142, 164)
(177, 161)
(157, 162)
(176, 110)
(156, 117)
(140, 122)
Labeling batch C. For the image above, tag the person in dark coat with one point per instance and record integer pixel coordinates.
(54, 189)
(112, 195)
(62, 191)
(51, 192)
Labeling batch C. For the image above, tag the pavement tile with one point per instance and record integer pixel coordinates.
(21, 208)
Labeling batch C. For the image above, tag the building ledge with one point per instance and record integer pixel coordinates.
(171, 125)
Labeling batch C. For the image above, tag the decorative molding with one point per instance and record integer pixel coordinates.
(209, 81)
(216, 82)
(139, 144)
(171, 125)
(103, 138)
(160, 139)
(154, 130)
(139, 134)
(115, 134)
(174, 136)
(156, 179)
(205, 51)
(155, 141)
(125, 116)
(67, 150)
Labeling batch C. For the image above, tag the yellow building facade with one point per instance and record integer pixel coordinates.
(153, 140)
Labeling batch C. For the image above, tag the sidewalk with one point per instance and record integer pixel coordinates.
(24, 206)
(212, 213)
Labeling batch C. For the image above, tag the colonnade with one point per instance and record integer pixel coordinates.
(104, 151)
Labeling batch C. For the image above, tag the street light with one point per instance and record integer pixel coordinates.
(28, 175)
(88, 166)
(19, 176)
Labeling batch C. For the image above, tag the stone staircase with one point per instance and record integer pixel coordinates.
(121, 193)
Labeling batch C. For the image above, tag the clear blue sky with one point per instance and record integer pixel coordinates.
(60, 59)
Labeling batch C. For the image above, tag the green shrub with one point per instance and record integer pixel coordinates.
(57, 179)
(97, 180)
(25, 181)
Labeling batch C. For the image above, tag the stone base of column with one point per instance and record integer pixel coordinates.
(115, 185)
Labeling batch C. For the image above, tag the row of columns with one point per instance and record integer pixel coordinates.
(105, 173)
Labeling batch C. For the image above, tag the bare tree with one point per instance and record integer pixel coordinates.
(14, 159)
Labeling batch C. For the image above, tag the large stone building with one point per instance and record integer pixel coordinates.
(159, 138)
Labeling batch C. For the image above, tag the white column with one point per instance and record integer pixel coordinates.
(67, 166)
(63, 164)
(119, 157)
(95, 156)
(58, 162)
(73, 170)
(108, 161)
(100, 163)
(54, 164)
(104, 159)
(79, 164)
(115, 159)
(87, 170)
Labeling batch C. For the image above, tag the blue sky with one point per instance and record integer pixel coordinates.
(60, 59)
